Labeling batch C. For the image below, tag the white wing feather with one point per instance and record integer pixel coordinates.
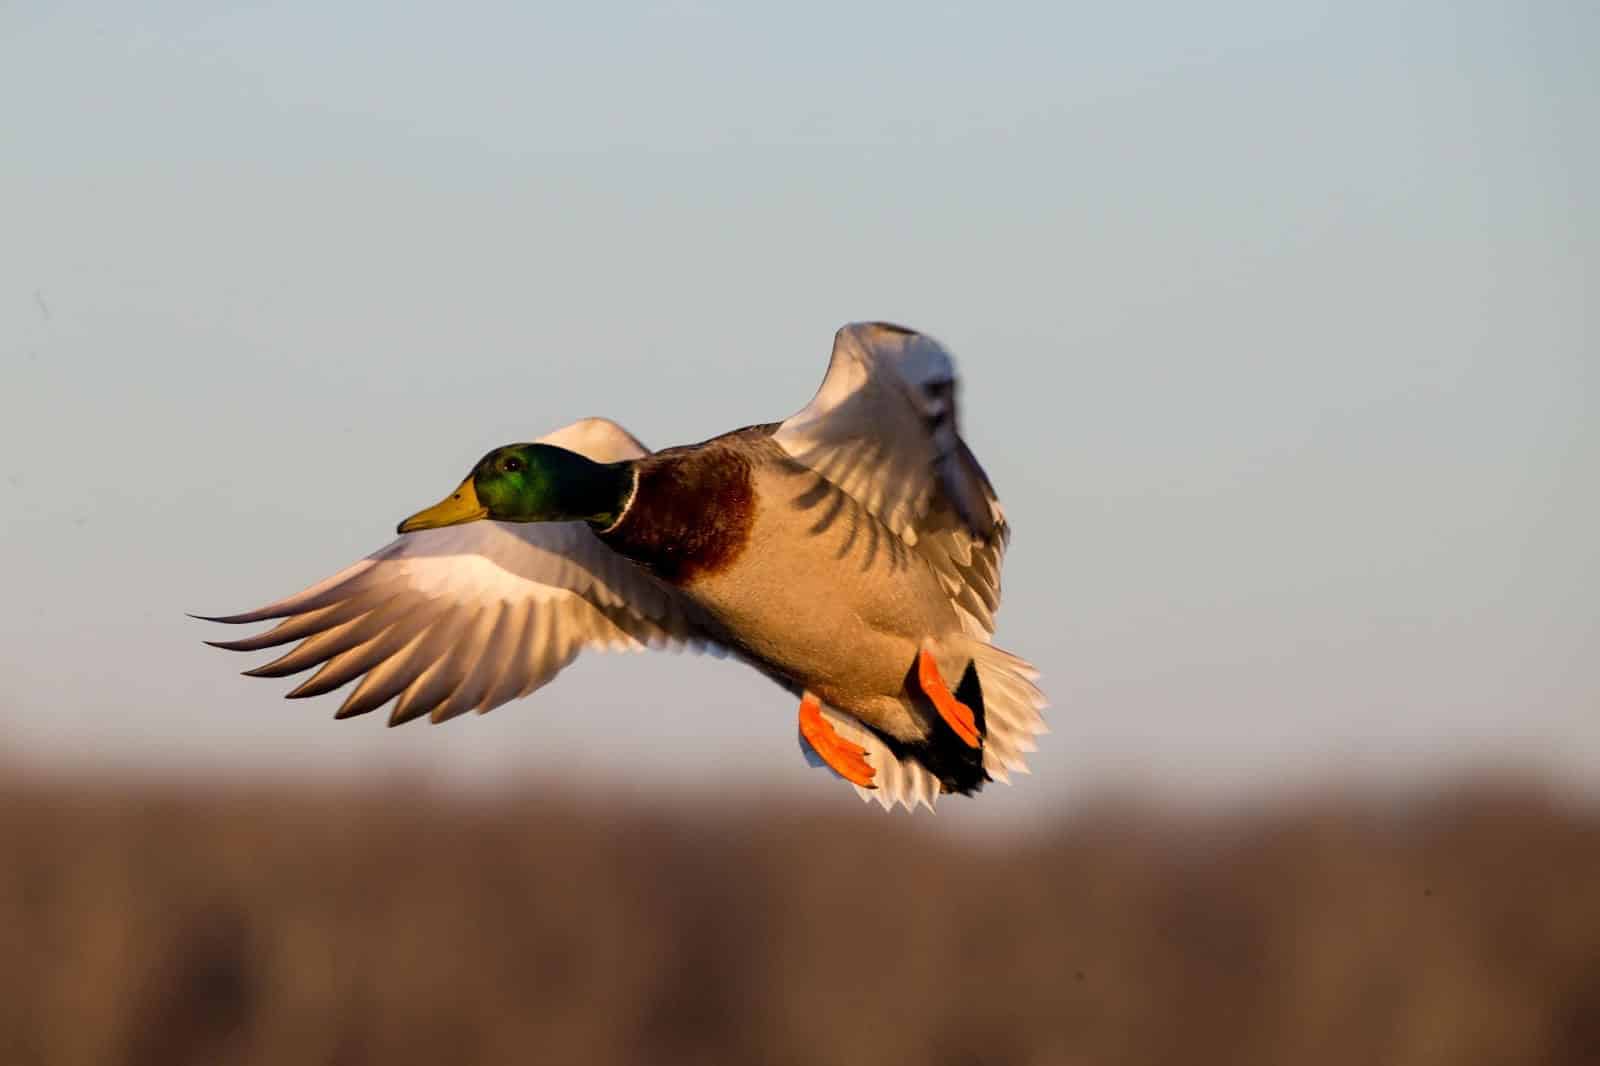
(884, 428)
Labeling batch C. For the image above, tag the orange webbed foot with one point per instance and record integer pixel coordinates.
(847, 760)
(957, 715)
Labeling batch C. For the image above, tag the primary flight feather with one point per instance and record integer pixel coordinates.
(850, 552)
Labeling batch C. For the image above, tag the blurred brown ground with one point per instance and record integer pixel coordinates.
(143, 925)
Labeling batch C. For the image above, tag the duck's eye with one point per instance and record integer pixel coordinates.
(511, 466)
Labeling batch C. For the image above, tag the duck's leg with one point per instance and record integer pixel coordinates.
(848, 760)
(957, 715)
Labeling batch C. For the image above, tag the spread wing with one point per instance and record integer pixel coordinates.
(883, 427)
(471, 616)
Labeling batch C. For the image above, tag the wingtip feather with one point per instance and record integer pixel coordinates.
(228, 619)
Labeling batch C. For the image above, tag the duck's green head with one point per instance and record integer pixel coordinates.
(532, 483)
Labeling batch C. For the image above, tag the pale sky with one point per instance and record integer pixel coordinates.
(1276, 323)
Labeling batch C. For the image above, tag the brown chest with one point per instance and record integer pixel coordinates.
(690, 515)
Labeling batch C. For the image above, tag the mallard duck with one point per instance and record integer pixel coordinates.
(851, 553)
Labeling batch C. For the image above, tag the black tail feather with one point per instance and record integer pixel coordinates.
(958, 766)
(970, 692)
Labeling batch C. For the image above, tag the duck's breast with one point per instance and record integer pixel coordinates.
(823, 591)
